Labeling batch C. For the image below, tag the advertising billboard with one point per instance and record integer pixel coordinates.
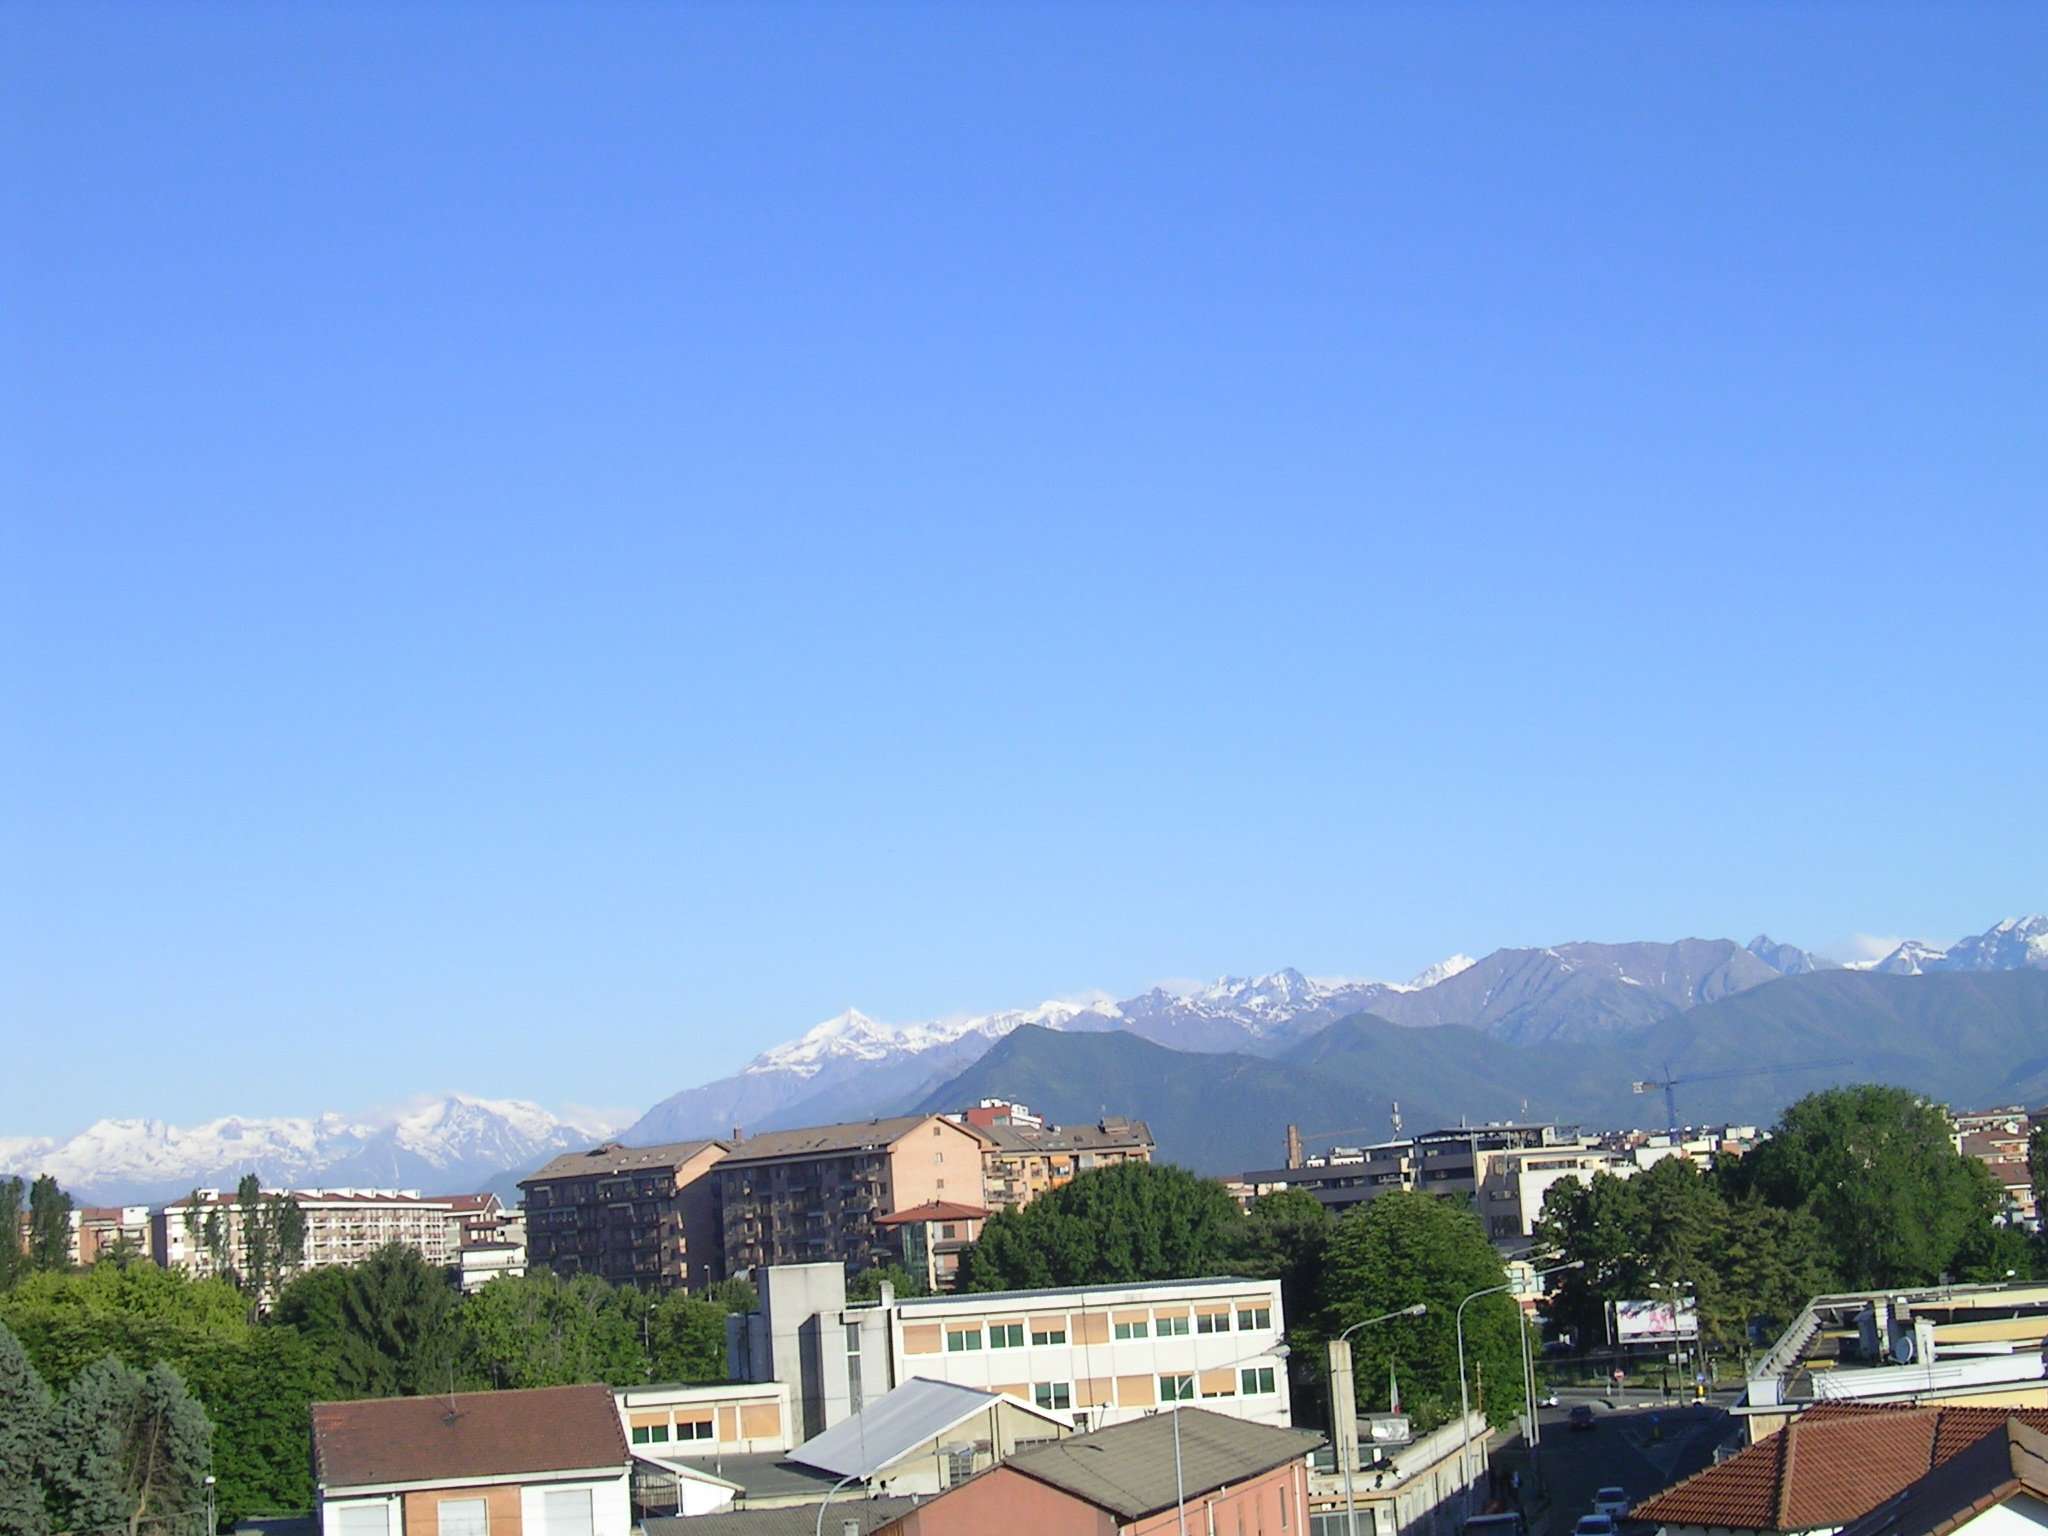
(1655, 1322)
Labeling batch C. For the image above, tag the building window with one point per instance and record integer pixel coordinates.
(1134, 1329)
(694, 1429)
(1212, 1322)
(1053, 1394)
(1048, 1333)
(1256, 1378)
(1173, 1325)
(1005, 1335)
(650, 1434)
(958, 1339)
(463, 1517)
(1260, 1316)
(1174, 1389)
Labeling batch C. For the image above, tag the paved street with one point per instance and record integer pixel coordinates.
(1642, 1448)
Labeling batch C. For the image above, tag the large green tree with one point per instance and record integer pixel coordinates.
(1878, 1168)
(1286, 1237)
(49, 1225)
(25, 1413)
(867, 1284)
(1130, 1222)
(400, 1327)
(1406, 1247)
(539, 1330)
(129, 1447)
(270, 1239)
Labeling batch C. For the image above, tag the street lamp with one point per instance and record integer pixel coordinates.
(209, 1504)
(1464, 1402)
(1350, 1503)
(1278, 1352)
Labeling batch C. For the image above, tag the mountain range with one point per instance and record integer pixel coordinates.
(448, 1144)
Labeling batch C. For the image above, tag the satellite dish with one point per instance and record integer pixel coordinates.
(1902, 1348)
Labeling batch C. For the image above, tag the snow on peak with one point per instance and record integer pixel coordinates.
(853, 1036)
(1443, 970)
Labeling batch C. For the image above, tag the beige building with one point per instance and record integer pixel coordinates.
(343, 1226)
(1023, 1160)
(814, 1195)
(642, 1216)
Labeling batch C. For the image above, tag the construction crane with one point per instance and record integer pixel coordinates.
(1297, 1142)
(1670, 1084)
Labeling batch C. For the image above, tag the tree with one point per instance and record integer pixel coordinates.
(733, 1296)
(13, 1258)
(867, 1285)
(1876, 1166)
(49, 1225)
(1406, 1247)
(270, 1234)
(685, 1339)
(400, 1330)
(1126, 1223)
(24, 1441)
(539, 1330)
(1286, 1237)
(129, 1446)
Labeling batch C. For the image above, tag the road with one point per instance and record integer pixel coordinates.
(1643, 1448)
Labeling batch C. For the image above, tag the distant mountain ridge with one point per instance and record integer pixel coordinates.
(447, 1144)
(851, 1065)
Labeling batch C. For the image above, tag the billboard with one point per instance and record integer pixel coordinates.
(1655, 1322)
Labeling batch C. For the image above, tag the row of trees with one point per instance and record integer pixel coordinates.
(390, 1326)
(49, 1228)
(121, 1448)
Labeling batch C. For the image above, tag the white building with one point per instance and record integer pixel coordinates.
(481, 1263)
(1096, 1354)
(343, 1226)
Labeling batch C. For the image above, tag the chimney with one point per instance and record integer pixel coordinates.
(1294, 1158)
(738, 1134)
(888, 1296)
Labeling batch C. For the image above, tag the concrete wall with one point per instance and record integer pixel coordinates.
(1003, 1500)
(1272, 1504)
(935, 1161)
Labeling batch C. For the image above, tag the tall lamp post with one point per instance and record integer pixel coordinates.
(1464, 1402)
(1350, 1502)
(1278, 1352)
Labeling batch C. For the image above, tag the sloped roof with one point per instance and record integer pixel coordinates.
(934, 1210)
(2010, 1460)
(614, 1158)
(1829, 1467)
(850, 1136)
(471, 1434)
(796, 1520)
(898, 1422)
(1127, 1468)
(1106, 1134)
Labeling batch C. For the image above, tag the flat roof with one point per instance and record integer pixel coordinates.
(973, 1298)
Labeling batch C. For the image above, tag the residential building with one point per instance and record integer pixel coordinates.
(935, 1237)
(1828, 1470)
(1098, 1354)
(476, 1218)
(477, 1264)
(1026, 1157)
(642, 1216)
(1517, 1181)
(803, 1196)
(1964, 1344)
(1998, 1139)
(999, 1112)
(551, 1460)
(343, 1226)
(1454, 1161)
(1133, 1479)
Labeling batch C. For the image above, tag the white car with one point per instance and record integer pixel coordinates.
(1612, 1502)
(1594, 1525)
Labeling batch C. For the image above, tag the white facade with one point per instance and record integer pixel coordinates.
(722, 1419)
(343, 1226)
(595, 1502)
(482, 1263)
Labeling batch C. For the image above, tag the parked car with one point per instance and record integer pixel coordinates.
(1581, 1417)
(1611, 1501)
(1594, 1525)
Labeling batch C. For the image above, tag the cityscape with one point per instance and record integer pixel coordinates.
(1023, 770)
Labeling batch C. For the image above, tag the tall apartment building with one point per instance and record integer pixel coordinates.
(806, 1196)
(1026, 1157)
(343, 1226)
(1099, 1353)
(641, 1216)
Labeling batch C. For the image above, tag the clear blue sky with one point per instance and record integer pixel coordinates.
(547, 548)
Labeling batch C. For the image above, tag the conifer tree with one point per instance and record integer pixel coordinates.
(24, 1438)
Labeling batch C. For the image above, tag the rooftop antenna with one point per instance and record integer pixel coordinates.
(453, 1412)
(1397, 1119)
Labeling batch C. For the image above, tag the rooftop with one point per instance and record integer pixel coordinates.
(615, 1158)
(912, 1303)
(809, 1141)
(934, 1210)
(468, 1434)
(899, 1421)
(796, 1520)
(2001, 1464)
(1011, 1137)
(1128, 1468)
(1832, 1465)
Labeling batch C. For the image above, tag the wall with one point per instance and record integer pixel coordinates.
(611, 1506)
(697, 1211)
(1273, 1504)
(502, 1505)
(935, 1161)
(1003, 1500)
(2020, 1515)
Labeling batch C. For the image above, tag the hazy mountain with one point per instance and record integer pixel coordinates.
(444, 1145)
(1577, 991)
(1789, 959)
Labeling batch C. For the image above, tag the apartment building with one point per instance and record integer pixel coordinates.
(1998, 1139)
(805, 1196)
(935, 1238)
(1025, 1158)
(1516, 1183)
(641, 1216)
(343, 1226)
(1101, 1354)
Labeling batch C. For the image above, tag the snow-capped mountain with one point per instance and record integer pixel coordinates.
(2017, 943)
(1443, 970)
(1789, 959)
(443, 1144)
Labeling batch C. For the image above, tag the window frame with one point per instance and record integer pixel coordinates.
(1174, 1394)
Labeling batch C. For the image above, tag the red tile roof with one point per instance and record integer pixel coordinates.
(2007, 1461)
(1831, 1466)
(933, 1210)
(487, 1434)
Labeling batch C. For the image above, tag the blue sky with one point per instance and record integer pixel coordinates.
(548, 548)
